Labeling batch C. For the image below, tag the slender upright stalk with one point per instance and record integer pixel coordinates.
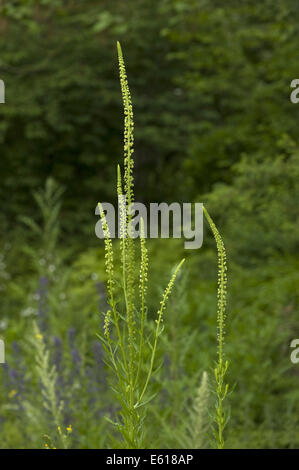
(222, 364)
(159, 320)
(128, 261)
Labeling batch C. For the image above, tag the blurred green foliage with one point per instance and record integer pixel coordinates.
(214, 123)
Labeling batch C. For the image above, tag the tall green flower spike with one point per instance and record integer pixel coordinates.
(128, 128)
(130, 351)
(222, 365)
(128, 258)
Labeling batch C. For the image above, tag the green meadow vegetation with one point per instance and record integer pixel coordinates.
(140, 343)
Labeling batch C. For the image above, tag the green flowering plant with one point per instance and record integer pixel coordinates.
(129, 340)
(222, 364)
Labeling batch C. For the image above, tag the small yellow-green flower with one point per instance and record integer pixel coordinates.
(69, 428)
(12, 393)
